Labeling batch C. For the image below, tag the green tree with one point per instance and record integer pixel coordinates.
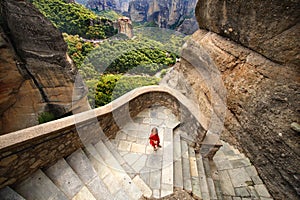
(111, 86)
(75, 19)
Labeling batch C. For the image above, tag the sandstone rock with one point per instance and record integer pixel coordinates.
(100, 5)
(166, 14)
(295, 126)
(188, 26)
(125, 26)
(270, 28)
(254, 86)
(138, 10)
(36, 72)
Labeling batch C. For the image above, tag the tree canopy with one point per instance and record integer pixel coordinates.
(75, 19)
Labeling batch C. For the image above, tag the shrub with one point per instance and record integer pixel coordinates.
(112, 86)
(75, 19)
(46, 117)
(163, 73)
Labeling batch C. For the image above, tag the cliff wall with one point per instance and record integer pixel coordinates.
(270, 28)
(36, 73)
(255, 49)
(164, 13)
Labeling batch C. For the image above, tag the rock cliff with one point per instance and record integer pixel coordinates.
(270, 28)
(36, 74)
(100, 5)
(262, 95)
(165, 13)
(124, 25)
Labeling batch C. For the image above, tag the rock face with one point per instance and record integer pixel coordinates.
(270, 28)
(262, 101)
(188, 26)
(125, 26)
(262, 96)
(166, 14)
(100, 5)
(36, 73)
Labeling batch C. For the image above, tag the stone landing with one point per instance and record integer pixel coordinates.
(155, 168)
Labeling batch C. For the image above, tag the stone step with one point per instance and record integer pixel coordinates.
(196, 191)
(125, 181)
(187, 182)
(202, 178)
(167, 182)
(128, 169)
(105, 173)
(9, 194)
(39, 187)
(63, 176)
(114, 151)
(216, 179)
(184, 136)
(178, 177)
(88, 175)
(210, 182)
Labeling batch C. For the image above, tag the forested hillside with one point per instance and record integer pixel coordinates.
(75, 19)
(111, 64)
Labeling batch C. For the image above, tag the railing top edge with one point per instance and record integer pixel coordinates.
(20, 136)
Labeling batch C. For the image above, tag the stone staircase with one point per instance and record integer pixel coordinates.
(126, 167)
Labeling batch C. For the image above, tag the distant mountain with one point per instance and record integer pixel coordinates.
(163, 13)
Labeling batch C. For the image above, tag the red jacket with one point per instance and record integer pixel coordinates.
(154, 139)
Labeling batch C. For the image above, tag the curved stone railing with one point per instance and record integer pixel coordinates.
(24, 151)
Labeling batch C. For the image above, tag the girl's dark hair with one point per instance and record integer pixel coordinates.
(154, 128)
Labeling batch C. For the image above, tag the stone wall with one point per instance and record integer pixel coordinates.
(25, 151)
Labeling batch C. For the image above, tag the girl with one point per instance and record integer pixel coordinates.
(154, 138)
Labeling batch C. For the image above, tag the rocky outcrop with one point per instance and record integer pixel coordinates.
(262, 101)
(120, 6)
(270, 28)
(188, 26)
(166, 14)
(100, 5)
(125, 26)
(36, 73)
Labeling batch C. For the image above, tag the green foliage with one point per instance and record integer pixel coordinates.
(46, 117)
(75, 19)
(77, 48)
(128, 83)
(109, 14)
(163, 73)
(105, 88)
(122, 56)
(112, 86)
(144, 24)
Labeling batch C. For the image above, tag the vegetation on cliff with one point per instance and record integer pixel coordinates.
(121, 56)
(109, 14)
(112, 86)
(103, 64)
(75, 19)
(113, 66)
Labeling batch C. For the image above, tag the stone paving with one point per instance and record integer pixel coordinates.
(239, 179)
(154, 167)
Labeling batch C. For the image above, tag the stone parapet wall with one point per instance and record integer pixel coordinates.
(25, 151)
